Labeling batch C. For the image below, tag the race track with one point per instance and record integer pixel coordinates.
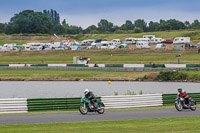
(109, 115)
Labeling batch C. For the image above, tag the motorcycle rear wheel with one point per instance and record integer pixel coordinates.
(102, 110)
(193, 106)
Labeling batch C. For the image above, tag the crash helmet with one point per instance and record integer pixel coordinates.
(179, 90)
(86, 91)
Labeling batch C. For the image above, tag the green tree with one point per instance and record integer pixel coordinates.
(105, 26)
(90, 28)
(29, 21)
(70, 29)
(153, 26)
(53, 15)
(128, 25)
(2, 28)
(187, 24)
(195, 24)
(140, 23)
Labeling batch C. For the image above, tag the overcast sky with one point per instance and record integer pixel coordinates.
(87, 12)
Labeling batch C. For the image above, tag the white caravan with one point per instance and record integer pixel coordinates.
(94, 46)
(149, 36)
(143, 39)
(27, 47)
(9, 46)
(108, 45)
(57, 44)
(182, 40)
(130, 40)
(116, 41)
(142, 44)
(4, 49)
(35, 46)
(156, 40)
(88, 42)
(123, 46)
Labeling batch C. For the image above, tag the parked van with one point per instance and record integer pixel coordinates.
(160, 45)
(182, 40)
(142, 44)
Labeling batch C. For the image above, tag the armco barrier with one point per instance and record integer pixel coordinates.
(76, 65)
(57, 65)
(192, 65)
(131, 101)
(38, 65)
(114, 65)
(128, 66)
(53, 104)
(13, 105)
(4, 65)
(133, 65)
(175, 65)
(170, 98)
(154, 65)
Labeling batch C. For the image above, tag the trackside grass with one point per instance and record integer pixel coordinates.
(52, 112)
(75, 75)
(68, 75)
(17, 38)
(120, 56)
(165, 125)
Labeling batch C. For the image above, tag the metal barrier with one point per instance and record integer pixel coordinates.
(22, 105)
(170, 98)
(13, 105)
(131, 101)
(54, 104)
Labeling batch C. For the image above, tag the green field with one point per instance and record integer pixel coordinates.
(166, 125)
(101, 57)
(194, 34)
(68, 75)
(84, 75)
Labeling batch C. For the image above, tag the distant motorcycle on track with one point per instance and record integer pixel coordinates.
(181, 103)
(86, 106)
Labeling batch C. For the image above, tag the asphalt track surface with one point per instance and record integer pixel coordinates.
(107, 116)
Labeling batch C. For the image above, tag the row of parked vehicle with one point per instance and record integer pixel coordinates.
(100, 44)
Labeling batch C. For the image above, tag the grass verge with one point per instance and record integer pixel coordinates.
(165, 125)
(122, 56)
(75, 75)
(76, 111)
(68, 75)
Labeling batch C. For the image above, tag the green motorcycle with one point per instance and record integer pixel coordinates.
(86, 106)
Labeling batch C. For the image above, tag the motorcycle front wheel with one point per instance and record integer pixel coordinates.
(179, 106)
(83, 109)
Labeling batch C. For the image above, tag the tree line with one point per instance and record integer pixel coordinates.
(48, 22)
